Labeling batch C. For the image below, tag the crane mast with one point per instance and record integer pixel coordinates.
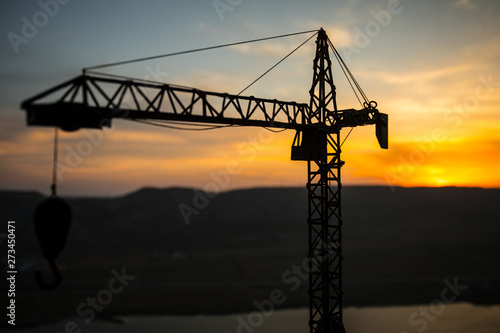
(324, 208)
(92, 101)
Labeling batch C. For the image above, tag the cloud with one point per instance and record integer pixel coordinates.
(215, 81)
(466, 4)
(418, 76)
(340, 37)
(262, 49)
(202, 25)
(275, 49)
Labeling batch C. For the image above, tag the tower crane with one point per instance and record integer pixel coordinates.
(94, 100)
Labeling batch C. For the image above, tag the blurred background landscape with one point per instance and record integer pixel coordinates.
(399, 246)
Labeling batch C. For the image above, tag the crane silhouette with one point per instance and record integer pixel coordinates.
(94, 100)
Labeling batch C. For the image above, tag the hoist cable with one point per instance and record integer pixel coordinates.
(348, 80)
(116, 76)
(352, 80)
(194, 50)
(166, 125)
(346, 137)
(275, 131)
(339, 59)
(343, 64)
(279, 62)
(350, 77)
(53, 187)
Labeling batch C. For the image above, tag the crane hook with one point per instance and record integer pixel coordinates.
(52, 219)
(56, 272)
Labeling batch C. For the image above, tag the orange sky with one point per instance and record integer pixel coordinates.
(433, 68)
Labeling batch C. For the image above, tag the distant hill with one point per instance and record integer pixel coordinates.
(398, 247)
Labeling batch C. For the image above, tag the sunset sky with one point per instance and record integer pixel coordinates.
(433, 66)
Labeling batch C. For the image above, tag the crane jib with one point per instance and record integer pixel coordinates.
(92, 102)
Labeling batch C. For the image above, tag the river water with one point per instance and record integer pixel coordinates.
(440, 318)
